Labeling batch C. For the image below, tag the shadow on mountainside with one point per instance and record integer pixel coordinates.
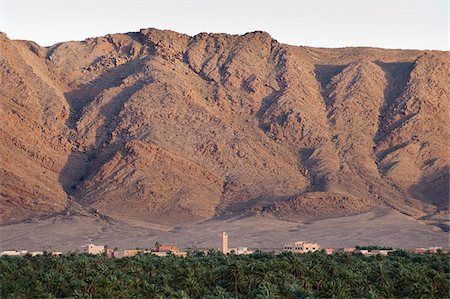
(84, 94)
(326, 72)
(268, 102)
(85, 161)
(251, 206)
(397, 76)
(434, 189)
(72, 174)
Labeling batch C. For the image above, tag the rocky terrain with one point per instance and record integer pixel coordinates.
(160, 127)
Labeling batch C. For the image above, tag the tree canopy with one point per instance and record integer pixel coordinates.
(260, 275)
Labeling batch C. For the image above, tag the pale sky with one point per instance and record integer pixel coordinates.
(405, 24)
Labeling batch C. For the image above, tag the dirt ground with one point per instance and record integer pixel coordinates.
(389, 228)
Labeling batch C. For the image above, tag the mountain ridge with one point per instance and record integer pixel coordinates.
(166, 128)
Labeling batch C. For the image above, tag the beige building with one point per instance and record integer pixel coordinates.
(428, 250)
(345, 249)
(162, 253)
(166, 253)
(375, 251)
(109, 252)
(301, 247)
(180, 253)
(434, 249)
(224, 243)
(240, 250)
(166, 248)
(133, 252)
(14, 252)
(329, 250)
(92, 249)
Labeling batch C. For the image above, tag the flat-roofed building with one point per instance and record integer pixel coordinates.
(157, 253)
(301, 247)
(422, 250)
(109, 252)
(329, 250)
(14, 252)
(240, 250)
(166, 248)
(419, 250)
(434, 249)
(345, 249)
(180, 253)
(375, 251)
(132, 252)
(93, 249)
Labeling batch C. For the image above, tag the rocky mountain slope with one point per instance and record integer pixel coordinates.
(166, 128)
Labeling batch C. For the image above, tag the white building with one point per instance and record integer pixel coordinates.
(92, 249)
(301, 247)
(14, 252)
(241, 250)
(376, 251)
(163, 253)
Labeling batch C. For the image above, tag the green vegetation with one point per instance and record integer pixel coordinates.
(260, 275)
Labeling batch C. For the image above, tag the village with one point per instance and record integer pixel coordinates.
(165, 250)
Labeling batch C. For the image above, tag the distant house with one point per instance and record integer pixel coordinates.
(93, 249)
(133, 252)
(345, 249)
(164, 253)
(14, 252)
(422, 250)
(243, 250)
(419, 250)
(165, 248)
(301, 247)
(57, 253)
(434, 249)
(375, 251)
(240, 250)
(109, 252)
(180, 253)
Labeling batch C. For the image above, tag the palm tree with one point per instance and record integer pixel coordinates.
(236, 274)
(267, 291)
(336, 288)
(263, 273)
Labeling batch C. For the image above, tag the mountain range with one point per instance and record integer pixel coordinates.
(166, 128)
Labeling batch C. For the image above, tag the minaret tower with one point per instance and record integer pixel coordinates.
(224, 247)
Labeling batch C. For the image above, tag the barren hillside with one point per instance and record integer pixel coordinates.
(165, 128)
